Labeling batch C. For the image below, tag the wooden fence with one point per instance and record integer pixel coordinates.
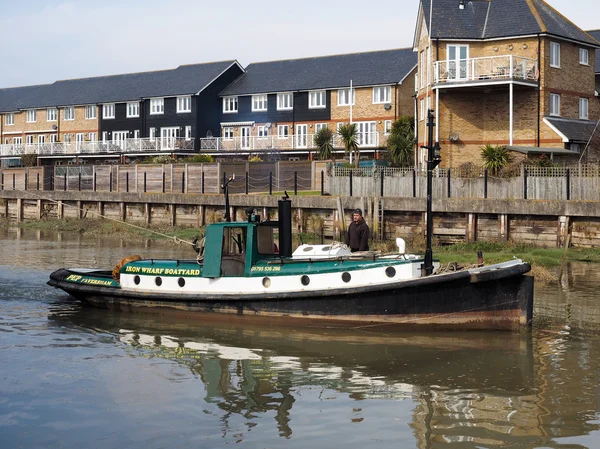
(580, 182)
(163, 178)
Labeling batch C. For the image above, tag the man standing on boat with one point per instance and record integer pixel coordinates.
(358, 233)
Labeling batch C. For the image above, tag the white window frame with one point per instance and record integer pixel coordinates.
(555, 105)
(184, 104)
(104, 136)
(188, 133)
(422, 69)
(69, 113)
(41, 139)
(108, 111)
(90, 112)
(152, 134)
(422, 109)
(320, 126)
(285, 101)
(263, 132)
(51, 115)
(136, 134)
(53, 138)
(29, 139)
(377, 94)
(133, 109)
(317, 99)
(92, 137)
(387, 127)
(230, 105)
(157, 106)
(345, 98)
(259, 103)
(228, 133)
(283, 131)
(584, 56)
(9, 119)
(31, 116)
(584, 108)
(67, 138)
(17, 141)
(555, 55)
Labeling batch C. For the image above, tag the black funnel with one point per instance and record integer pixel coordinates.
(285, 227)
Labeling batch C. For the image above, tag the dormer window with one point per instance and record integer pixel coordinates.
(31, 116)
(259, 102)
(230, 104)
(382, 94)
(317, 99)
(157, 106)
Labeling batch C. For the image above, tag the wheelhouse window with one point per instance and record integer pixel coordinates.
(554, 54)
(133, 109)
(382, 94)
(9, 119)
(228, 133)
(157, 106)
(90, 112)
(184, 104)
(259, 102)
(584, 56)
(555, 104)
(345, 97)
(285, 101)
(69, 113)
(108, 111)
(283, 131)
(317, 99)
(583, 108)
(230, 105)
(51, 115)
(31, 116)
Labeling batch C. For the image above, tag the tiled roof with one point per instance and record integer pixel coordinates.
(574, 130)
(487, 19)
(364, 69)
(184, 80)
(596, 35)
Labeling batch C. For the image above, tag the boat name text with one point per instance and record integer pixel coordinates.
(167, 271)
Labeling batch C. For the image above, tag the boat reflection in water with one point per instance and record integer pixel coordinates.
(475, 387)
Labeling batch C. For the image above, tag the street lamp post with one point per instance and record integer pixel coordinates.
(433, 160)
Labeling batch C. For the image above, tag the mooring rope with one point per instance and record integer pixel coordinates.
(169, 237)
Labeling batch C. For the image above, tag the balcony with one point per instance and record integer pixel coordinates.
(126, 146)
(296, 142)
(488, 70)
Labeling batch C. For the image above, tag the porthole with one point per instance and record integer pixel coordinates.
(390, 271)
(346, 277)
(266, 282)
(158, 282)
(305, 280)
(136, 280)
(308, 248)
(326, 248)
(181, 282)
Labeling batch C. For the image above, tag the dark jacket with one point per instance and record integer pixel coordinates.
(358, 236)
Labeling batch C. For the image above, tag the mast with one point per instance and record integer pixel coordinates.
(433, 160)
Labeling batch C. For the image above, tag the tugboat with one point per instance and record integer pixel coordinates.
(241, 270)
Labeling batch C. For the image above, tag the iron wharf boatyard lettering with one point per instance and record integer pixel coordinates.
(172, 271)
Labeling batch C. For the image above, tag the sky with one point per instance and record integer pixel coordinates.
(45, 41)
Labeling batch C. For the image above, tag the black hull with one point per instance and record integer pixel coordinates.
(495, 299)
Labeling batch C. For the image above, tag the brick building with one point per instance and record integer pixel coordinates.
(280, 105)
(504, 72)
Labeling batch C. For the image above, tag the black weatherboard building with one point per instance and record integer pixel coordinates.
(179, 103)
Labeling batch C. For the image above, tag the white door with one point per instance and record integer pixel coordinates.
(118, 138)
(245, 137)
(168, 137)
(301, 136)
(458, 67)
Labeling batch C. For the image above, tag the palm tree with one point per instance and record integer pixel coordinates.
(349, 134)
(400, 144)
(324, 142)
(495, 158)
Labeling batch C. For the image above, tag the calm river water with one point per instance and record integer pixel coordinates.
(75, 377)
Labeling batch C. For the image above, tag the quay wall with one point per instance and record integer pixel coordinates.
(540, 222)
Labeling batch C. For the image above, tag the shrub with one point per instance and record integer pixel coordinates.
(401, 142)
(495, 158)
(199, 159)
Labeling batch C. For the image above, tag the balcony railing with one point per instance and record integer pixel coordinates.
(507, 67)
(300, 142)
(126, 146)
